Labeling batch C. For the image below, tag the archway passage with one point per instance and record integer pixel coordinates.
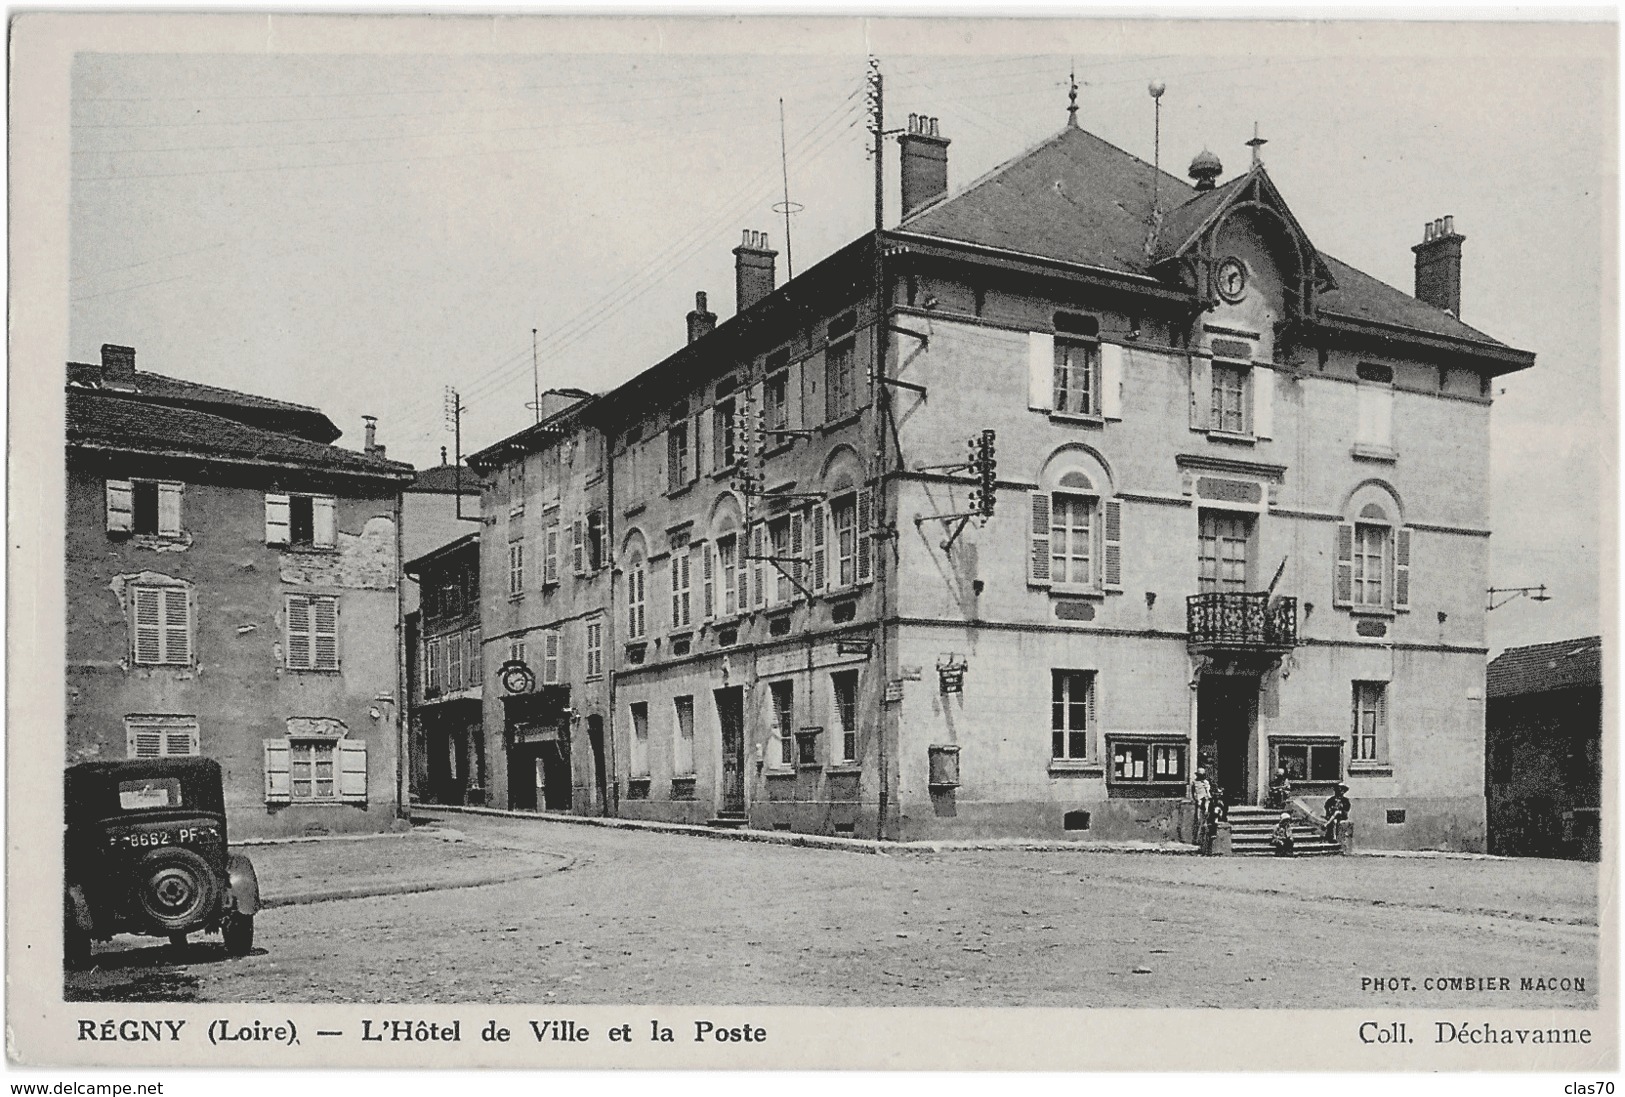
(595, 738)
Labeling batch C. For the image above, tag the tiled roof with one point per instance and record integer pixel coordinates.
(281, 414)
(1540, 668)
(442, 480)
(102, 419)
(1080, 199)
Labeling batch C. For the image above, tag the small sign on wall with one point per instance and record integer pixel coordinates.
(951, 673)
(894, 691)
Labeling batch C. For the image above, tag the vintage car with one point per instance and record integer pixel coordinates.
(145, 852)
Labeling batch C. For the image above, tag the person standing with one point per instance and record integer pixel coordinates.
(1201, 798)
(1337, 811)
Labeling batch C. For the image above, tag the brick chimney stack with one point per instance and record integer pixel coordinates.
(925, 163)
(1438, 265)
(371, 448)
(701, 322)
(753, 270)
(117, 361)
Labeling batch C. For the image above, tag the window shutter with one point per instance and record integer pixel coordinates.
(1343, 574)
(1113, 548)
(578, 546)
(797, 548)
(323, 525)
(691, 464)
(147, 607)
(1111, 380)
(758, 576)
(708, 570)
(352, 771)
(144, 741)
(865, 533)
(1038, 539)
(820, 566)
(177, 625)
(276, 519)
(120, 506)
(1402, 569)
(277, 785)
(169, 509)
(792, 397)
(550, 658)
(643, 601)
(1040, 370)
(1201, 393)
(325, 633)
(1263, 382)
(298, 630)
(550, 555)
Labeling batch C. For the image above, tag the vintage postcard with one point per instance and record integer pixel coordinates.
(764, 542)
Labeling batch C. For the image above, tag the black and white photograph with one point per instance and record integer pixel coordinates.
(746, 515)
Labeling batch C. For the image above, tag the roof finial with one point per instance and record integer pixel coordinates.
(1072, 97)
(1257, 143)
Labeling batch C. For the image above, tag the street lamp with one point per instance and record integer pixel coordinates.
(1534, 594)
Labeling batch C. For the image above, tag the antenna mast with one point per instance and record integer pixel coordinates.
(1156, 88)
(535, 379)
(786, 207)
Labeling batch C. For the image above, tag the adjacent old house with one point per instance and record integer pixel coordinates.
(233, 593)
(447, 717)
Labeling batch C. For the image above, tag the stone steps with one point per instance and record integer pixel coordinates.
(1251, 827)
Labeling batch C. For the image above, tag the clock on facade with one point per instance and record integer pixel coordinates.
(1231, 279)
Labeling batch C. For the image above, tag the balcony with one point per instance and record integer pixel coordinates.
(1241, 622)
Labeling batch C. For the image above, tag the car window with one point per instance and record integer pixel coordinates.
(144, 795)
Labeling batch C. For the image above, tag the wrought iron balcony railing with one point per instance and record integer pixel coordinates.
(1241, 621)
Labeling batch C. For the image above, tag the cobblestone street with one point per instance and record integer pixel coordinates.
(581, 914)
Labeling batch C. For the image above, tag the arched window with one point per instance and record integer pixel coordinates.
(1075, 528)
(637, 578)
(1373, 569)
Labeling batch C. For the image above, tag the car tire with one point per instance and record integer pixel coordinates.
(176, 890)
(237, 930)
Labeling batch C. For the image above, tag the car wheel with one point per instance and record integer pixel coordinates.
(177, 941)
(176, 890)
(238, 932)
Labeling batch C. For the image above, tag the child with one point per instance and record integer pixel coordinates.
(1281, 840)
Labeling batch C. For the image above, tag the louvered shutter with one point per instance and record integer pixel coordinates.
(820, 562)
(708, 580)
(324, 532)
(691, 465)
(169, 509)
(145, 741)
(276, 519)
(1343, 571)
(352, 771)
(120, 506)
(678, 560)
(643, 601)
(1040, 370)
(325, 633)
(1263, 381)
(181, 741)
(1111, 380)
(147, 605)
(1038, 533)
(177, 626)
(797, 569)
(550, 658)
(1201, 393)
(278, 788)
(298, 629)
(578, 546)
(758, 574)
(1112, 573)
(865, 534)
(1402, 569)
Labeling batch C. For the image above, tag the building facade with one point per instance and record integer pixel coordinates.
(447, 677)
(233, 593)
(1238, 521)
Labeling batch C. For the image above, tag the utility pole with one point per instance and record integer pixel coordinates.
(878, 402)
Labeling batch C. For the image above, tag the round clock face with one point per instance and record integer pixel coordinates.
(1232, 279)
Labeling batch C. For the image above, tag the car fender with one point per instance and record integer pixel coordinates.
(79, 909)
(242, 885)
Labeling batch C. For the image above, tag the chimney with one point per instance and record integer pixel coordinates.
(753, 270)
(117, 361)
(925, 163)
(702, 322)
(371, 447)
(442, 456)
(556, 400)
(1438, 265)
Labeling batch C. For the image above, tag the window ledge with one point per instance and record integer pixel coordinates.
(844, 421)
(1231, 438)
(1363, 452)
(1370, 769)
(843, 769)
(1077, 417)
(315, 670)
(725, 471)
(1058, 590)
(778, 772)
(782, 447)
(1371, 611)
(516, 597)
(311, 550)
(635, 508)
(1122, 782)
(1060, 766)
(804, 766)
(672, 493)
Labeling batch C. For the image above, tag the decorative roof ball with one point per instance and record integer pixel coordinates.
(1205, 168)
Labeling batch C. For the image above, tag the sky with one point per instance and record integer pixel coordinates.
(359, 230)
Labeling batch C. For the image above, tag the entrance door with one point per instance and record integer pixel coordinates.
(522, 777)
(595, 738)
(1224, 733)
(731, 717)
(553, 769)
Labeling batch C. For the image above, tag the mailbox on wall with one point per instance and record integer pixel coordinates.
(944, 766)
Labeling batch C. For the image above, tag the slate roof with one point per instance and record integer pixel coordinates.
(1079, 199)
(307, 421)
(103, 419)
(1541, 668)
(442, 480)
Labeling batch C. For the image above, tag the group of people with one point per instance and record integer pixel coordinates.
(1211, 810)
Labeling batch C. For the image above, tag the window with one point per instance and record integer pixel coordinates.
(161, 736)
(1370, 564)
(846, 712)
(578, 546)
(640, 739)
(473, 663)
(454, 662)
(840, 381)
(516, 651)
(516, 488)
(682, 608)
(1073, 529)
(783, 695)
(683, 754)
(1311, 761)
(724, 426)
(516, 568)
(1229, 398)
(161, 625)
(1370, 721)
(595, 541)
(844, 516)
(550, 555)
(1077, 377)
(1147, 763)
(1374, 426)
(149, 507)
(776, 396)
(1373, 569)
(432, 677)
(1222, 551)
(300, 521)
(636, 581)
(728, 567)
(782, 548)
(550, 657)
(312, 632)
(315, 771)
(595, 648)
(678, 455)
(1072, 714)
